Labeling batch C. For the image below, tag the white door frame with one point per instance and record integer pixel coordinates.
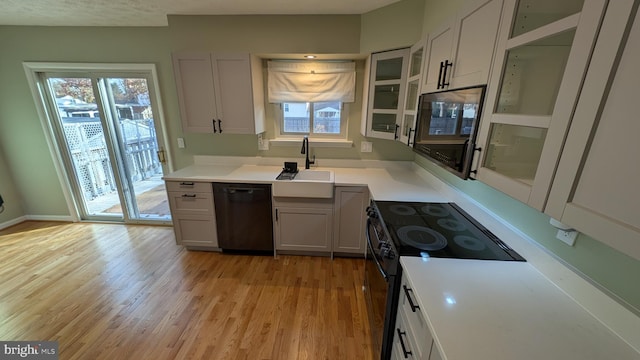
(33, 68)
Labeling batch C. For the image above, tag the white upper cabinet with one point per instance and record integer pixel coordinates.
(412, 92)
(386, 88)
(596, 185)
(220, 93)
(459, 53)
(541, 58)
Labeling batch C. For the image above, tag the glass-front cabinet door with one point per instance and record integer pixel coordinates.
(387, 84)
(536, 78)
(408, 125)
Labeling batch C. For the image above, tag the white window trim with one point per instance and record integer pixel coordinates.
(33, 68)
(317, 140)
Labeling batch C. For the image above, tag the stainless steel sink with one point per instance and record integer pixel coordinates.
(306, 184)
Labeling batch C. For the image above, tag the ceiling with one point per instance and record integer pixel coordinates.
(154, 12)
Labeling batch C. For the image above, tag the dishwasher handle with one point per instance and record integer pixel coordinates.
(241, 190)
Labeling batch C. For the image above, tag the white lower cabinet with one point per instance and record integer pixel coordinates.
(349, 219)
(303, 225)
(412, 338)
(193, 214)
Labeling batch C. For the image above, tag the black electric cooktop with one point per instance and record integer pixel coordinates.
(440, 230)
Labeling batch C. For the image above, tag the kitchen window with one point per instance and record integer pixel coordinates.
(322, 118)
(311, 96)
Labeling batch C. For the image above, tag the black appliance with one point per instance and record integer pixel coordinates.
(289, 171)
(397, 229)
(446, 127)
(238, 205)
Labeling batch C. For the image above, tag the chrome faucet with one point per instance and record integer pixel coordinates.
(305, 150)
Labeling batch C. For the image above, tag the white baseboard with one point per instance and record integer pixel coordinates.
(15, 221)
(49, 218)
(24, 218)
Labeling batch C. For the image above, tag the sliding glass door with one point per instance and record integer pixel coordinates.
(104, 127)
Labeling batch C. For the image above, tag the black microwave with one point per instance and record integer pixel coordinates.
(446, 127)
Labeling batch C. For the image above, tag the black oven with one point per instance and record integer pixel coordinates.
(446, 127)
(397, 229)
(381, 283)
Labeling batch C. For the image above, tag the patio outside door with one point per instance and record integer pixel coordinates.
(105, 128)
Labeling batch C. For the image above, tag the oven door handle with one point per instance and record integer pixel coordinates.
(373, 254)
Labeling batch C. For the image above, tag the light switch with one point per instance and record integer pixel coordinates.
(181, 143)
(366, 146)
(263, 144)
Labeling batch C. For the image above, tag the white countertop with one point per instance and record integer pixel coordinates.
(479, 309)
(502, 310)
(384, 184)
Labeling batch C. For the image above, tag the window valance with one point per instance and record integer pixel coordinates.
(302, 81)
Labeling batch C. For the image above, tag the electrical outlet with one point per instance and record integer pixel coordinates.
(263, 144)
(567, 236)
(366, 146)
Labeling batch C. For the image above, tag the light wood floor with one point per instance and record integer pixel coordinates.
(106, 291)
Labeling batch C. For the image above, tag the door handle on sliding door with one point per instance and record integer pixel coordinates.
(162, 156)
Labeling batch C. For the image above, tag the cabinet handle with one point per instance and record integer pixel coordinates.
(440, 75)
(276, 214)
(395, 133)
(187, 183)
(214, 125)
(220, 126)
(188, 195)
(241, 190)
(409, 137)
(475, 172)
(404, 348)
(414, 307)
(447, 65)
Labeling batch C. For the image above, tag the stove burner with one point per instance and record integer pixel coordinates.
(451, 224)
(403, 210)
(435, 210)
(469, 242)
(421, 237)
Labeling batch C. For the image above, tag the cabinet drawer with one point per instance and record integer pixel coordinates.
(415, 321)
(403, 342)
(190, 186)
(191, 203)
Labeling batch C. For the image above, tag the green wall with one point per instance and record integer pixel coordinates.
(611, 269)
(393, 26)
(33, 181)
(21, 133)
(9, 192)
(277, 34)
(23, 139)
(606, 266)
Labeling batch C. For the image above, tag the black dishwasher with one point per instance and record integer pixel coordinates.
(243, 217)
